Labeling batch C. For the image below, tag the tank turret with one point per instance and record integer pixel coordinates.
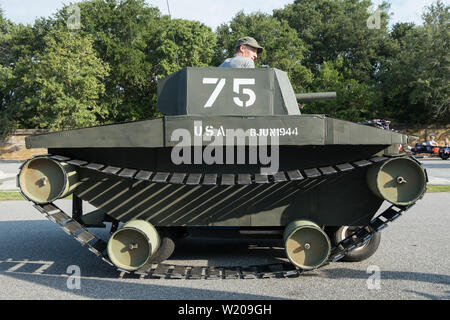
(224, 91)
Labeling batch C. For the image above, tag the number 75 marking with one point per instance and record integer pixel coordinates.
(237, 83)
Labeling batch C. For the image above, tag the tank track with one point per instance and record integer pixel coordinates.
(168, 271)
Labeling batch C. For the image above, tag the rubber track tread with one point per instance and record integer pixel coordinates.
(111, 170)
(177, 178)
(194, 179)
(210, 179)
(144, 175)
(295, 175)
(279, 177)
(95, 166)
(327, 170)
(261, 178)
(312, 173)
(127, 173)
(78, 163)
(345, 167)
(161, 177)
(228, 180)
(244, 179)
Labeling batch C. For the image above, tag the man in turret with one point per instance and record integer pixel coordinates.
(247, 50)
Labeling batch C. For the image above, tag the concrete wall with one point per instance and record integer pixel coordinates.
(423, 132)
(14, 147)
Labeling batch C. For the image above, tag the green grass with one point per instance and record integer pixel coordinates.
(11, 196)
(14, 196)
(434, 189)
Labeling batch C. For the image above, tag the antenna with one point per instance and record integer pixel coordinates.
(173, 34)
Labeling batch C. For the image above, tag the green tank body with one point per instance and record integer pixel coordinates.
(233, 150)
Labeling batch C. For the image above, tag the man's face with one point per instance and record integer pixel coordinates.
(249, 52)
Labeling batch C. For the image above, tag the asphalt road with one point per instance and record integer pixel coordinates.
(438, 170)
(8, 172)
(413, 260)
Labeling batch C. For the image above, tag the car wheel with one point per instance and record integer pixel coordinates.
(166, 247)
(362, 252)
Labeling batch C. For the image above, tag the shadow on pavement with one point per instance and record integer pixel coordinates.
(339, 273)
(430, 296)
(117, 289)
(41, 245)
(38, 252)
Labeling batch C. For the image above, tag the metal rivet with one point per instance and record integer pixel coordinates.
(133, 246)
(401, 180)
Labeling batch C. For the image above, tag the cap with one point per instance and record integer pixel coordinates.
(249, 41)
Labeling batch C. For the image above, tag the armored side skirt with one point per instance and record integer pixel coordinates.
(332, 192)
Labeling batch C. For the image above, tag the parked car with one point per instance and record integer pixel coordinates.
(377, 123)
(422, 147)
(444, 153)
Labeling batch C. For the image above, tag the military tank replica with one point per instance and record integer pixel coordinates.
(233, 150)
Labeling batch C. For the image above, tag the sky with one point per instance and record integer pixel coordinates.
(211, 12)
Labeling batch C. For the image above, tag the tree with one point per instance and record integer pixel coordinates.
(333, 29)
(355, 101)
(6, 124)
(136, 42)
(432, 85)
(17, 42)
(195, 45)
(108, 70)
(62, 86)
(283, 48)
(416, 81)
(342, 52)
(6, 27)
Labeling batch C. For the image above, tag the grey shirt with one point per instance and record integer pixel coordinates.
(238, 62)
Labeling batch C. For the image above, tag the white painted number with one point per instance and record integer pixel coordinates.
(237, 83)
(216, 91)
(252, 97)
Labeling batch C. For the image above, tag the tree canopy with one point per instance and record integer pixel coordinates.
(6, 123)
(62, 86)
(283, 47)
(107, 70)
(415, 82)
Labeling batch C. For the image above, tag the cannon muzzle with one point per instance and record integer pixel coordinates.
(308, 97)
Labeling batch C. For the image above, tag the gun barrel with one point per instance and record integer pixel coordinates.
(307, 97)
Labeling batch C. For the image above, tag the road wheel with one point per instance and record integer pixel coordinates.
(361, 253)
(166, 247)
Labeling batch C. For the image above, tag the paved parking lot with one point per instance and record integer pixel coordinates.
(438, 170)
(412, 262)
